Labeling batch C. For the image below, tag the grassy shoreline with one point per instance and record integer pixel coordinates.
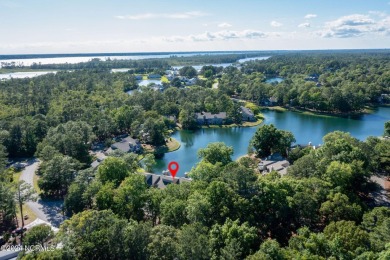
(173, 145)
(366, 110)
(245, 124)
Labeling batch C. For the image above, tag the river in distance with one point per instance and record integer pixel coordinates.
(306, 128)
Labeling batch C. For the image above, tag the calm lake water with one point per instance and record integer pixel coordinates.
(146, 82)
(21, 75)
(306, 128)
(78, 59)
(274, 80)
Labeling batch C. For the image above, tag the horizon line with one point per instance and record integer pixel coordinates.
(81, 54)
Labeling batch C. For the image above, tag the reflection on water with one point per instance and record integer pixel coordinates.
(306, 128)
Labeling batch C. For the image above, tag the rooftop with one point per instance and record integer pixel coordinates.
(208, 115)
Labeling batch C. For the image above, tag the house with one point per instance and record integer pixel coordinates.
(207, 118)
(384, 98)
(190, 82)
(267, 166)
(247, 114)
(274, 162)
(127, 145)
(272, 101)
(161, 181)
(138, 77)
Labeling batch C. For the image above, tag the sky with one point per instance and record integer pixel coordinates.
(86, 26)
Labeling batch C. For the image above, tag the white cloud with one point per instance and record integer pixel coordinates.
(378, 13)
(221, 36)
(276, 24)
(310, 16)
(185, 15)
(224, 25)
(304, 25)
(354, 26)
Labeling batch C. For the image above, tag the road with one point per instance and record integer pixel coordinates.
(382, 196)
(47, 210)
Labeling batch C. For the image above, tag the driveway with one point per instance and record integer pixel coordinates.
(382, 196)
(47, 210)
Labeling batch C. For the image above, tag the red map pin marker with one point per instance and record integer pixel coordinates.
(173, 168)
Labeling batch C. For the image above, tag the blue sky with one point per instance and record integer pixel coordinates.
(74, 26)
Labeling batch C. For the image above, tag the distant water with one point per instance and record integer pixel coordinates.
(274, 80)
(199, 67)
(51, 59)
(146, 82)
(22, 75)
(119, 70)
(254, 58)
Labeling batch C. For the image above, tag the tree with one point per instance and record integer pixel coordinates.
(149, 162)
(137, 236)
(187, 119)
(270, 249)
(93, 234)
(338, 207)
(173, 212)
(216, 152)
(164, 243)
(188, 71)
(72, 139)
(130, 197)
(104, 199)
(387, 128)
(198, 209)
(268, 139)
(153, 131)
(346, 239)
(113, 170)
(7, 205)
(76, 199)
(338, 174)
(154, 196)
(38, 235)
(232, 239)
(192, 238)
(225, 202)
(377, 224)
(24, 192)
(3, 158)
(57, 175)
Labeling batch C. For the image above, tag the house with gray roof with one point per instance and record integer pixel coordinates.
(161, 181)
(207, 118)
(127, 145)
(247, 114)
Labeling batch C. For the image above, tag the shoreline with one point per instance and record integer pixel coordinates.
(367, 110)
(245, 124)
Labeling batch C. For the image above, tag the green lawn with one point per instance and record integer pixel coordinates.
(173, 144)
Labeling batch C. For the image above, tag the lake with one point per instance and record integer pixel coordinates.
(306, 128)
(146, 82)
(274, 80)
(22, 75)
(80, 58)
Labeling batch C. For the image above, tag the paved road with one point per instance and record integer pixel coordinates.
(50, 211)
(382, 196)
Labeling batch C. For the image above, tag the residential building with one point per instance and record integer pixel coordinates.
(127, 145)
(207, 118)
(247, 114)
